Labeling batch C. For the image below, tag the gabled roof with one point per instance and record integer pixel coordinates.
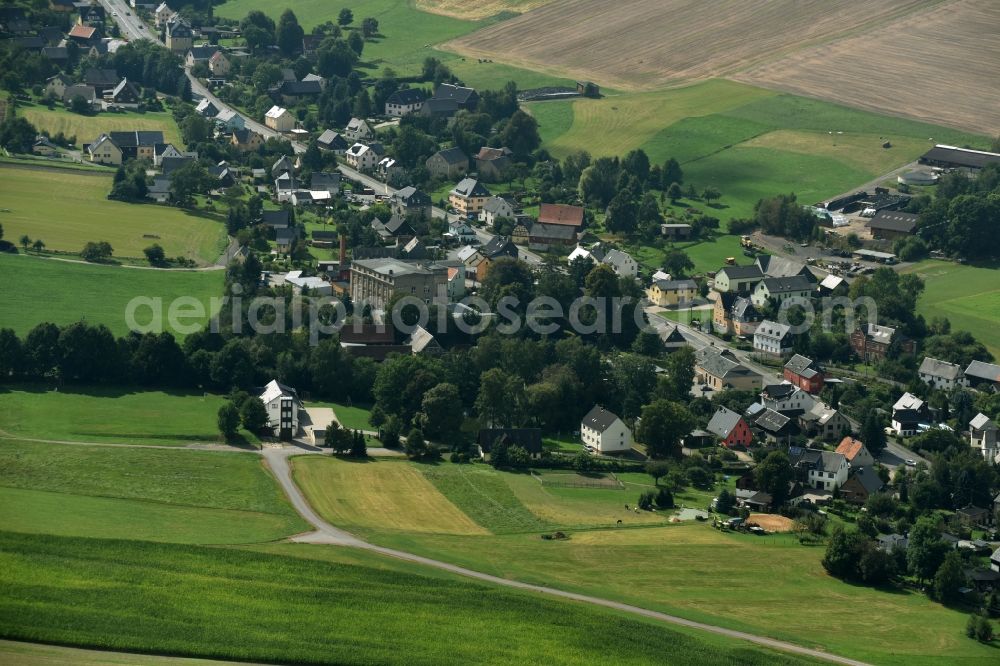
(275, 112)
(943, 369)
(850, 448)
(274, 389)
(743, 309)
(599, 419)
(459, 94)
(771, 421)
(101, 77)
(982, 422)
(881, 334)
(126, 88)
(470, 187)
(719, 364)
(779, 391)
(546, 232)
(982, 370)
(676, 285)
(499, 246)
(529, 439)
(406, 97)
(298, 88)
(786, 285)
(411, 196)
(83, 31)
(421, 339)
(137, 138)
(617, 258)
(487, 154)
(560, 214)
(908, 401)
(751, 272)
(453, 155)
(801, 366)
(821, 461)
(723, 422)
(781, 267)
(325, 180)
(771, 329)
(206, 108)
(892, 220)
(868, 479)
(199, 53)
(497, 205)
(278, 219)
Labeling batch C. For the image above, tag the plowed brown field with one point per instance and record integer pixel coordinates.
(941, 65)
(637, 44)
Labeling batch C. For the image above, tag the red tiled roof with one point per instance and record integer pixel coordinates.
(83, 31)
(560, 214)
(850, 448)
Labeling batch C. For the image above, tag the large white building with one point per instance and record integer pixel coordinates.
(283, 405)
(773, 338)
(824, 470)
(604, 432)
(279, 119)
(941, 374)
(361, 157)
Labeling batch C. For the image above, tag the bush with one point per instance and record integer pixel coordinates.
(984, 630)
(646, 500)
(664, 499)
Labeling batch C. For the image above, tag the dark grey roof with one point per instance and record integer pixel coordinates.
(460, 94)
(135, 139)
(161, 185)
(443, 107)
(743, 310)
(202, 52)
(676, 285)
(772, 421)
(599, 419)
(55, 52)
(892, 220)
(723, 422)
(552, 231)
(170, 164)
(470, 187)
(499, 246)
(411, 196)
(406, 96)
(299, 88)
(867, 477)
(973, 159)
(720, 365)
(821, 461)
(778, 391)
(101, 77)
(936, 368)
(332, 139)
(982, 370)
(741, 272)
(529, 439)
(785, 285)
(325, 180)
(279, 219)
(453, 156)
(285, 236)
(801, 366)
(770, 329)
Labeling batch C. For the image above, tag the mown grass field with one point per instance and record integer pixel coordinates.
(43, 290)
(67, 208)
(107, 415)
(689, 569)
(969, 296)
(141, 493)
(36, 654)
(232, 604)
(88, 128)
(352, 417)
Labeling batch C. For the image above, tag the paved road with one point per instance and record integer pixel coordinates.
(328, 534)
(131, 26)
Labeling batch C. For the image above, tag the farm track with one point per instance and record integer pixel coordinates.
(326, 533)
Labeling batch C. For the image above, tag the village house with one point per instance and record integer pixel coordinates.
(602, 431)
(773, 339)
(561, 214)
(735, 314)
(872, 342)
(491, 163)
(333, 142)
(737, 279)
(862, 483)
(449, 164)
(246, 140)
(772, 426)
(102, 80)
(941, 374)
(423, 343)
(361, 157)
(228, 120)
(396, 229)
(856, 452)
(773, 266)
(983, 435)
(670, 293)
(468, 197)
(824, 470)
(675, 232)
(824, 422)
(494, 209)
(804, 373)
(219, 64)
(387, 168)
(358, 130)
(404, 102)
(179, 36)
(42, 146)
(283, 405)
(411, 201)
(786, 398)
(279, 119)
(529, 439)
(907, 414)
(542, 237)
(621, 263)
(462, 231)
(162, 14)
(795, 289)
(83, 35)
(462, 97)
(496, 248)
(719, 370)
(200, 55)
(159, 191)
(983, 376)
(206, 108)
(293, 92)
(730, 428)
(163, 151)
(56, 85)
(123, 96)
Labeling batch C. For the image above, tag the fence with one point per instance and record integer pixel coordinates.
(605, 481)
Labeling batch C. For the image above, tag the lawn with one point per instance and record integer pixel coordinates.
(105, 415)
(140, 493)
(88, 128)
(688, 569)
(352, 417)
(36, 654)
(969, 296)
(43, 290)
(378, 495)
(250, 606)
(748, 142)
(68, 208)
(708, 255)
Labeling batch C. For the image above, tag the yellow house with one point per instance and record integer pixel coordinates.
(104, 151)
(468, 197)
(666, 293)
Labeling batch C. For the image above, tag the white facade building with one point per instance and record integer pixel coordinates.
(283, 405)
(604, 432)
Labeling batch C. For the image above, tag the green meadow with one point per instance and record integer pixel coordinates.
(141, 493)
(969, 296)
(48, 290)
(68, 208)
(109, 415)
(688, 569)
(88, 128)
(252, 606)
